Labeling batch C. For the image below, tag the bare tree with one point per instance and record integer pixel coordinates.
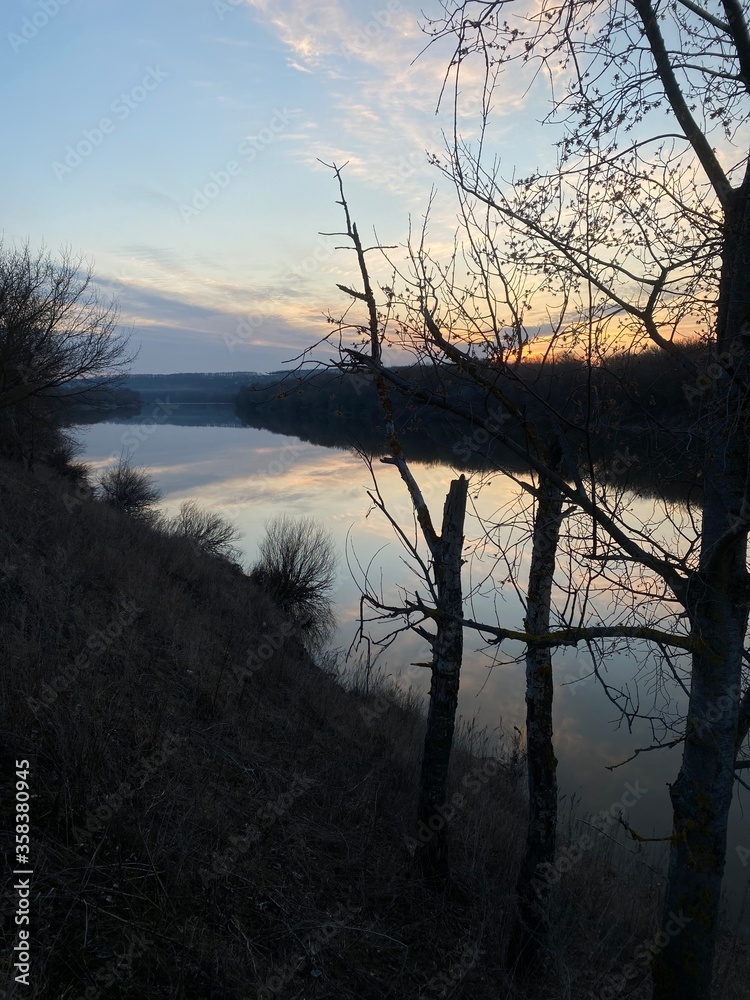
(57, 338)
(648, 211)
(640, 241)
(441, 576)
(628, 559)
(443, 608)
(297, 566)
(54, 328)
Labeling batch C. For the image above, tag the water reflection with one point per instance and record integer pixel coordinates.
(250, 475)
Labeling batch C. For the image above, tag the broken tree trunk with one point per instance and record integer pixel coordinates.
(447, 646)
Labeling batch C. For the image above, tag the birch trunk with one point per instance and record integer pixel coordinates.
(528, 935)
(447, 646)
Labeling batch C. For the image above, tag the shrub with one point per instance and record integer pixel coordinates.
(207, 531)
(297, 567)
(130, 489)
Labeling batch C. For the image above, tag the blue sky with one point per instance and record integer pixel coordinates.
(175, 145)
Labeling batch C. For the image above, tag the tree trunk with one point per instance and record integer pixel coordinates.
(434, 812)
(717, 602)
(528, 934)
(701, 798)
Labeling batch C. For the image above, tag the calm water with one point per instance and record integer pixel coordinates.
(251, 475)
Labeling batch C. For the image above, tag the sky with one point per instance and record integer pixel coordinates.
(176, 146)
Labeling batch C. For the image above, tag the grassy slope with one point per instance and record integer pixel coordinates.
(154, 744)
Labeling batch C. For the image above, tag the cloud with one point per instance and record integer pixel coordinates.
(145, 305)
(211, 326)
(373, 109)
(384, 81)
(363, 58)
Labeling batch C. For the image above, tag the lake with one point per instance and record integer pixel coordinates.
(250, 475)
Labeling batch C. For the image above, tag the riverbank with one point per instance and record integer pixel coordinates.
(213, 815)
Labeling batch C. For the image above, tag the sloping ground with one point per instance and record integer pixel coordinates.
(195, 834)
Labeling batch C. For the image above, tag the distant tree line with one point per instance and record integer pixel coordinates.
(635, 407)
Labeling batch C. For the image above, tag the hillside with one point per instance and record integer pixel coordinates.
(215, 816)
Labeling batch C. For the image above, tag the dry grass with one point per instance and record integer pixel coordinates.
(322, 899)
